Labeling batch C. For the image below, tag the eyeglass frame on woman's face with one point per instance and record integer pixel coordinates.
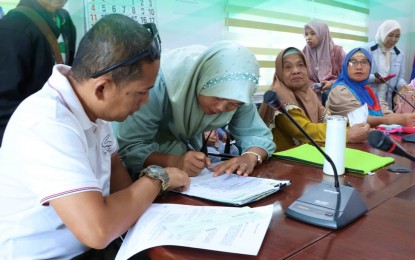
(153, 50)
(355, 63)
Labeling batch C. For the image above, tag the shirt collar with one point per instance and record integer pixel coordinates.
(59, 82)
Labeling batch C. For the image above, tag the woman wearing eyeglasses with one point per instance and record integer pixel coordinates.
(351, 91)
(388, 61)
(198, 89)
(301, 102)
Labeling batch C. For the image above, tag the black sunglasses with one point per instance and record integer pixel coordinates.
(153, 50)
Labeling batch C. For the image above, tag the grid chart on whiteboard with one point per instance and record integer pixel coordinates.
(143, 11)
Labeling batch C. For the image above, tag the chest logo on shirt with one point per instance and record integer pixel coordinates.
(106, 144)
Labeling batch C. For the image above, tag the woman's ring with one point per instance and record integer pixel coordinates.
(244, 165)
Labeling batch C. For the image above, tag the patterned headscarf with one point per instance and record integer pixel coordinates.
(225, 70)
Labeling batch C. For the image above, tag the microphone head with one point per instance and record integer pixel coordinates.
(378, 76)
(379, 140)
(271, 98)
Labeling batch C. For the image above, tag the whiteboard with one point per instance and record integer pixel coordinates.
(143, 11)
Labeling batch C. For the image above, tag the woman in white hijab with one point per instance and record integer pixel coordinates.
(388, 60)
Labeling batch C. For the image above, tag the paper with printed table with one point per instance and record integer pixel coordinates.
(227, 229)
(232, 189)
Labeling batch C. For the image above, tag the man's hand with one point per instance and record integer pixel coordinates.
(178, 179)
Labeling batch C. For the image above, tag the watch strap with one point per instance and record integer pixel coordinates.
(163, 176)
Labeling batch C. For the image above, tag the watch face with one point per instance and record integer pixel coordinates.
(156, 169)
(159, 173)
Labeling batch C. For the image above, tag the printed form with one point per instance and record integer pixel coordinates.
(232, 189)
(226, 229)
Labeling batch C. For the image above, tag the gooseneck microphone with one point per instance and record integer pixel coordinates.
(325, 204)
(379, 140)
(379, 77)
(271, 98)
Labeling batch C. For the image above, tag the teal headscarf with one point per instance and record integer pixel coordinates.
(225, 70)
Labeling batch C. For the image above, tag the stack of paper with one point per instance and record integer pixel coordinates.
(232, 189)
(226, 229)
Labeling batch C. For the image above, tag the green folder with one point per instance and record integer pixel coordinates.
(357, 161)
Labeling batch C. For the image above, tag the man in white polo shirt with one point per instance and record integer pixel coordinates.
(63, 188)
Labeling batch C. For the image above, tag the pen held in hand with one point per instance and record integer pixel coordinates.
(186, 141)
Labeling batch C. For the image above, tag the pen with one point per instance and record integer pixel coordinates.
(280, 185)
(283, 184)
(191, 148)
(187, 143)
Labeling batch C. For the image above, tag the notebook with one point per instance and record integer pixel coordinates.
(357, 161)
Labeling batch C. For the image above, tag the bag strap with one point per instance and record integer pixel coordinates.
(44, 28)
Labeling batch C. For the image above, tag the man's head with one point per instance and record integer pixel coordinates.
(116, 65)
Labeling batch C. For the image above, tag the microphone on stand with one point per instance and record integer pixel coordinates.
(379, 77)
(271, 98)
(379, 140)
(325, 204)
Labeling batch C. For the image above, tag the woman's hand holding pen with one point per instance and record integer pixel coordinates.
(193, 162)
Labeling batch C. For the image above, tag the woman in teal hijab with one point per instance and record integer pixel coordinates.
(198, 89)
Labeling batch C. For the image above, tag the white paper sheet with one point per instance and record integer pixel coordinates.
(227, 229)
(359, 115)
(232, 189)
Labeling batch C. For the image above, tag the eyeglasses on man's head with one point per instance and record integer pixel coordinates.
(153, 50)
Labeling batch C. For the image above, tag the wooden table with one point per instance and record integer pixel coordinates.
(386, 231)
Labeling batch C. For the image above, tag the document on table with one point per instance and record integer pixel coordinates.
(232, 189)
(226, 229)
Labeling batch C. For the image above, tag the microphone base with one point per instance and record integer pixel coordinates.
(324, 206)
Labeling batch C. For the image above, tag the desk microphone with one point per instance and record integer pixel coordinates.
(271, 98)
(325, 205)
(379, 77)
(379, 140)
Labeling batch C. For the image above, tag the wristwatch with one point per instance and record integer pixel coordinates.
(158, 173)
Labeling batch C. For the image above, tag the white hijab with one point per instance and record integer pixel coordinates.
(383, 30)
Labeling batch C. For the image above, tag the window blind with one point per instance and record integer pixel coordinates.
(266, 27)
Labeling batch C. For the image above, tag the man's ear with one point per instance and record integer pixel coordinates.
(99, 91)
(102, 87)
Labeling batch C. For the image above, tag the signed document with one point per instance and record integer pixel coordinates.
(226, 229)
(232, 189)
